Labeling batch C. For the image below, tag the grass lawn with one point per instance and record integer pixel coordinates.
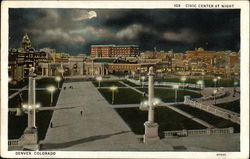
(233, 106)
(11, 92)
(166, 118)
(20, 84)
(46, 82)
(17, 124)
(168, 95)
(108, 84)
(122, 96)
(131, 84)
(42, 97)
(212, 119)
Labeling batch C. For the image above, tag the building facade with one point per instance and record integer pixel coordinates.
(21, 59)
(114, 50)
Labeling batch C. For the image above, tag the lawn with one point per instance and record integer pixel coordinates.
(212, 119)
(11, 92)
(166, 118)
(131, 84)
(123, 96)
(17, 124)
(108, 84)
(20, 84)
(42, 97)
(168, 95)
(46, 82)
(233, 106)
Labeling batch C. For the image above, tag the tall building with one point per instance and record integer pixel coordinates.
(114, 50)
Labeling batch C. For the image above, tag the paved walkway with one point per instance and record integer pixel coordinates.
(100, 127)
(229, 98)
(16, 93)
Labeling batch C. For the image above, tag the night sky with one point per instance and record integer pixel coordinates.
(74, 30)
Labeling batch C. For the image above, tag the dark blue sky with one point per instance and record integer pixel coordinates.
(74, 30)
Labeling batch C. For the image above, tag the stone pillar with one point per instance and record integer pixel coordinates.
(42, 71)
(30, 136)
(151, 128)
(150, 95)
(32, 101)
(92, 72)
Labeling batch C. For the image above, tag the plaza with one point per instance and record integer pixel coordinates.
(114, 127)
(111, 85)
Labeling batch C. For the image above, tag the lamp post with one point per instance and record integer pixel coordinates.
(58, 79)
(215, 92)
(219, 78)
(133, 73)
(235, 84)
(51, 89)
(200, 83)
(61, 70)
(176, 88)
(30, 136)
(142, 78)
(215, 80)
(151, 128)
(99, 81)
(113, 89)
(92, 72)
(183, 79)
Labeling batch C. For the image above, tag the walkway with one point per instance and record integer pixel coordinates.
(100, 127)
(16, 93)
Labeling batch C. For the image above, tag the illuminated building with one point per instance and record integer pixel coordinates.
(20, 60)
(114, 50)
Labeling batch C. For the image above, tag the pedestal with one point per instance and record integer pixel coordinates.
(30, 139)
(151, 132)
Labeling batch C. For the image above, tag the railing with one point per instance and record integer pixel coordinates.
(223, 113)
(14, 142)
(186, 85)
(213, 131)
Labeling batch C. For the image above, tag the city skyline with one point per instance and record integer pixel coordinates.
(74, 30)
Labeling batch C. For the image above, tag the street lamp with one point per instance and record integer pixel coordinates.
(99, 78)
(176, 88)
(146, 104)
(183, 79)
(26, 108)
(58, 79)
(215, 80)
(133, 73)
(143, 78)
(235, 84)
(214, 92)
(200, 83)
(51, 89)
(113, 89)
(219, 78)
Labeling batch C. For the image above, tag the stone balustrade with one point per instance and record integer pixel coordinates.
(14, 142)
(170, 84)
(213, 131)
(220, 112)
